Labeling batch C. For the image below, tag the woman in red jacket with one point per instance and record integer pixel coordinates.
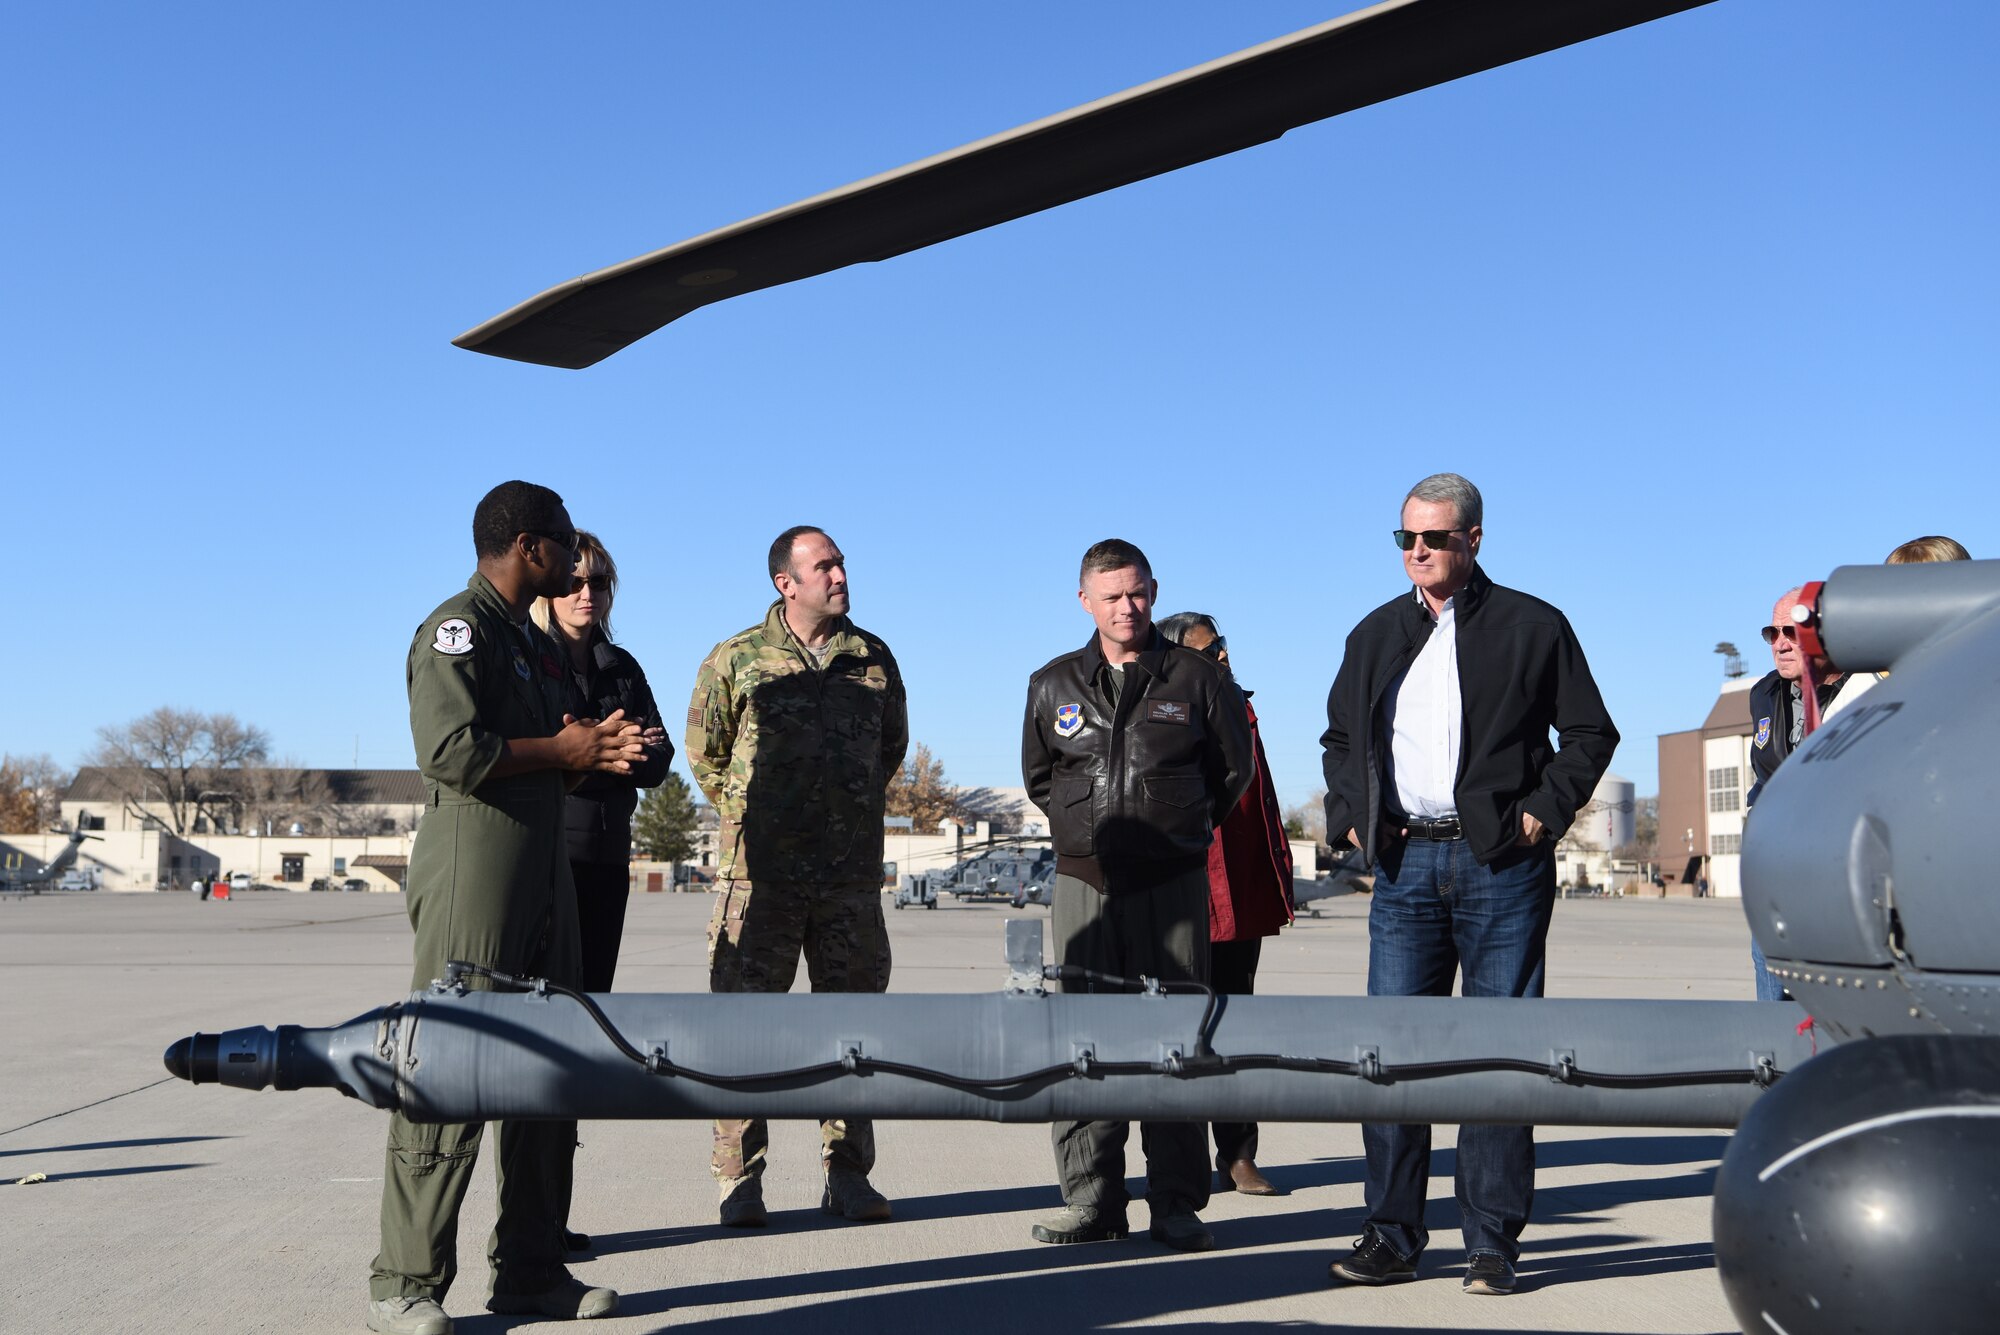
(1249, 898)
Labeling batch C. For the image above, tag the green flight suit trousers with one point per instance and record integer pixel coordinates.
(489, 883)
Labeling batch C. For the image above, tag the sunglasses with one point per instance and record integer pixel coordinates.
(1435, 538)
(1771, 634)
(1215, 648)
(596, 583)
(566, 541)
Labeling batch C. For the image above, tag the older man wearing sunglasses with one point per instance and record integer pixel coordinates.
(1439, 768)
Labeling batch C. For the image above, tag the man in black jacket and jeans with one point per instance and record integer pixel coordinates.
(1137, 749)
(1439, 768)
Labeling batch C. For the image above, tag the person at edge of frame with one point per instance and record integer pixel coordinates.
(1777, 705)
(794, 730)
(488, 883)
(1136, 749)
(602, 679)
(1249, 896)
(1438, 767)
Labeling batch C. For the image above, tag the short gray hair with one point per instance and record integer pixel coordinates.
(1464, 497)
(1177, 626)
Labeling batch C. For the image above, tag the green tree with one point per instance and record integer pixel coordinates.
(663, 828)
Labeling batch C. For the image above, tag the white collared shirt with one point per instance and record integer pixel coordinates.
(1424, 723)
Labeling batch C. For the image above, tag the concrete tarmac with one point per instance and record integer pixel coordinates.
(168, 1207)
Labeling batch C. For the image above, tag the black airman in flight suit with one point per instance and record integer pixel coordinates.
(490, 883)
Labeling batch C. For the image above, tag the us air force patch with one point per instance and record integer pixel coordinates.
(1167, 711)
(454, 636)
(1763, 732)
(521, 668)
(1069, 720)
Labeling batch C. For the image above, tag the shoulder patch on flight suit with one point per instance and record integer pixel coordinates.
(1168, 711)
(694, 716)
(1763, 732)
(454, 636)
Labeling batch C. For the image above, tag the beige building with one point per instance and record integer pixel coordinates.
(267, 801)
(1704, 775)
(283, 828)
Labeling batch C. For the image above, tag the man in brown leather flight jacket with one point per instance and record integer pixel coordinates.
(1136, 748)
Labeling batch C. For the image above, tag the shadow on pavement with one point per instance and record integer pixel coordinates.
(1112, 1285)
(113, 1145)
(1091, 1296)
(124, 1172)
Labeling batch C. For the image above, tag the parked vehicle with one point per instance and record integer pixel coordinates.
(78, 878)
(916, 890)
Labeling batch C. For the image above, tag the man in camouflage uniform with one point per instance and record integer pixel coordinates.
(795, 728)
(490, 883)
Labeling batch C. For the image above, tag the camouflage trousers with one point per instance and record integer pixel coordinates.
(759, 931)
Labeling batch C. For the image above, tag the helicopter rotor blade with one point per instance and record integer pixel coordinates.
(1237, 101)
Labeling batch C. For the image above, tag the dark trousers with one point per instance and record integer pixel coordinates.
(603, 889)
(1232, 971)
(1161, 933)
(1437, 912)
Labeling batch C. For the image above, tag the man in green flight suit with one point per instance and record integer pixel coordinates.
(795, 728)
(490, 883)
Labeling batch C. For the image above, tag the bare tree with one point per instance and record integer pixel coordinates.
(189, 764)
(1645, 845)
(31, 789)
(1307, 819)
(920, 791)
(283, 793)
(998, 810)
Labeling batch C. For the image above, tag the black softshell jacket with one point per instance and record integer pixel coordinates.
(1521, 673)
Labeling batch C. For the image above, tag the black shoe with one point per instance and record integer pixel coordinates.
(1488, 1274)
(575, 1242)
(1182, 1230)
(1373, 1261)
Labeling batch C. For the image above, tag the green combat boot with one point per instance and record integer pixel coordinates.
(1081, 1223)
(408, 1316)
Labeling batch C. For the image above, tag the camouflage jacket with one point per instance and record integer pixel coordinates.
(795, 757)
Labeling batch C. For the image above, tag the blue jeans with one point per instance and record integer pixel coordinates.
(1437, 912)
(1768, 986)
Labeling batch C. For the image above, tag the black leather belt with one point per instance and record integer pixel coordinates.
(1440, 831)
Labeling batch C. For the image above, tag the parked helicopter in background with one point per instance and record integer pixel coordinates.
(1013, 872)
(21, 878)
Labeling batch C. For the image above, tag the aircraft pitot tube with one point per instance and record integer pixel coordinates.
(450, 1054)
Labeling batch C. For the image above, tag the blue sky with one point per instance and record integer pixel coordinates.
(1706, 308)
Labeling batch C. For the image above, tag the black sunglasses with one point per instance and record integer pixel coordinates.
(565, 541)
(1215, 648)
(597, 583)
(1435, 538)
